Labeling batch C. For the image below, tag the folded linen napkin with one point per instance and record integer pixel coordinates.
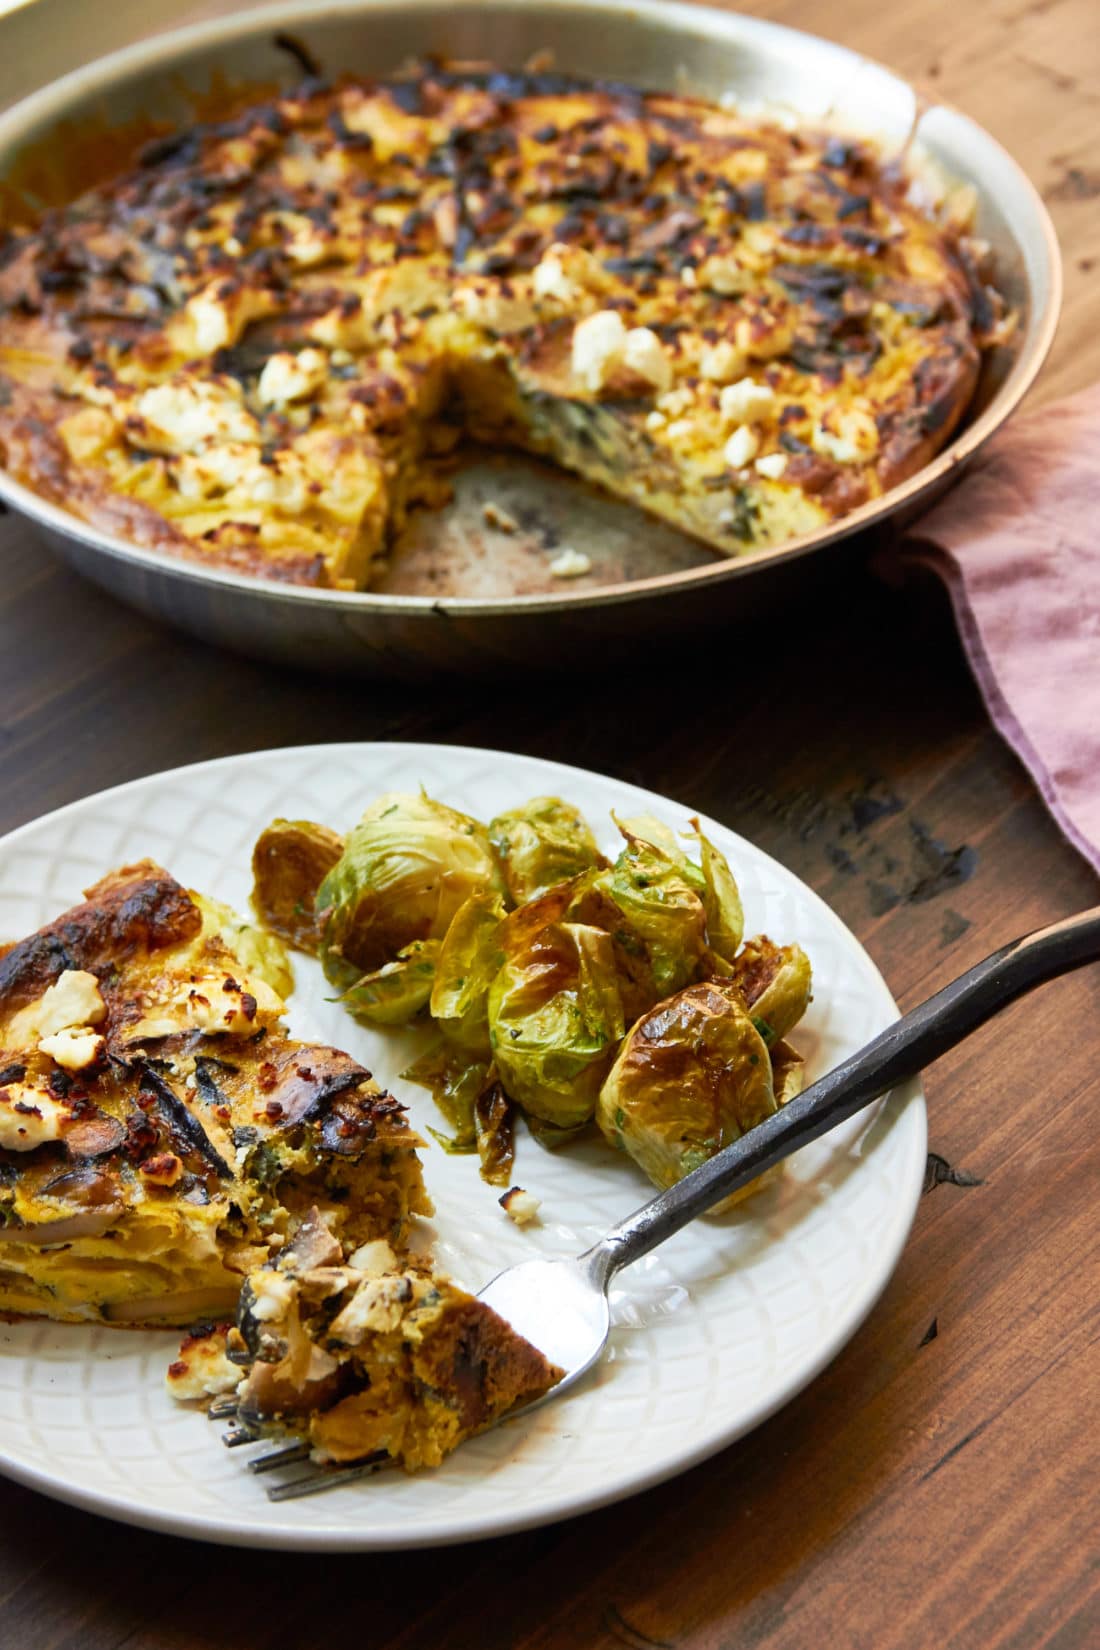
(1017, 543)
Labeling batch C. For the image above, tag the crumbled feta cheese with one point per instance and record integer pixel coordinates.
(374, 1258)
(211, 322)
(849, 437)
(772, 466)
(688, 276)
(74, 1047)
(29, 1117)
(214, 1003)
(741, 448)
(680, 429)
(285, 489)
(162, 1170)
(570, 564)
(74, 999)
(837, 447)
(550, 280)
(644, 354)
(675, 402)
(305, 243)
(721, 362)
(655, 420)
(746, 402)
(202, 1369)
(520, 1206)
(725, 276)
(289, 377)
(182, 416)
(496, 308)
(272, 1293)
(598, 343)
(221, 1004)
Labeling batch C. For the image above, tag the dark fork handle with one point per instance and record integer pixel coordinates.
(895, 1055)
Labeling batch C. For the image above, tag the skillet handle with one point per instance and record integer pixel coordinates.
(896, 1054)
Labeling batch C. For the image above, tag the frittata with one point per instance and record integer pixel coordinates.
(249, 348)
(160, 1134)
(365, 1355)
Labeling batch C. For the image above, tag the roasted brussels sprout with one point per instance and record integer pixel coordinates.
(661, 909)
(544, 842)
(555, 1015)
(711, 879)
(691, 1077)
(468, 961)
(289, 863)
(395, 993)
(406, 868)
(776, 982)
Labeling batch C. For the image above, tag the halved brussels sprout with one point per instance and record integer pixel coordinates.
(591, 903)
(544, 842)
(691, 1077)
(662, 910)
(711, 879)
(261, 953)
(395, 993)
(289, 863)
(555, 1016)
(776, 982)
(405, 870)
(469, 959)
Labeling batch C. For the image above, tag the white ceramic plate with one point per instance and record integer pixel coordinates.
(713, 1332)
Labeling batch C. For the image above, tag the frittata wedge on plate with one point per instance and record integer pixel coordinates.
(160, 1134)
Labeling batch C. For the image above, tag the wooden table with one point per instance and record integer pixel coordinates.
(934, 1485)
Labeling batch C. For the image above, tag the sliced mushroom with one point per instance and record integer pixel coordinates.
(94, 1135)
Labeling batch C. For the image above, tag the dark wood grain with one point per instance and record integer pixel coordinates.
(936, 1485)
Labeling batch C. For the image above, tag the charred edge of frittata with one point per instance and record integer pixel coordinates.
(135, 910)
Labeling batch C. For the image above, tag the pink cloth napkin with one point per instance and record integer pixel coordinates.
(1018, 545)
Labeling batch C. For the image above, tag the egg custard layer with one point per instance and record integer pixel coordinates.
(248, 349)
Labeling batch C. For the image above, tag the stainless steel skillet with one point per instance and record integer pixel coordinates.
(490, 605)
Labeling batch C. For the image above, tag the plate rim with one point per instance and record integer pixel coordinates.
(160, 49)
(907, 1098)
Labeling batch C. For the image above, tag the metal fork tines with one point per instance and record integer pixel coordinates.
(316, 1479)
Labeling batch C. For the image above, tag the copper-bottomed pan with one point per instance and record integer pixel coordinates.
(459, 595)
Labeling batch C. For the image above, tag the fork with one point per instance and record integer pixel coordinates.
(561, 1306)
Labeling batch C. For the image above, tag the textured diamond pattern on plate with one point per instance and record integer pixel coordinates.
(712, 1332)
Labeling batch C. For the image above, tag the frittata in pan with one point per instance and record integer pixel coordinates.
(160, 1135)
(247, 349)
